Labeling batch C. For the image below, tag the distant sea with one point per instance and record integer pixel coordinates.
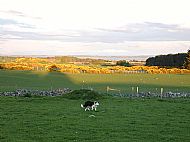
(116, 58)
(112, 58)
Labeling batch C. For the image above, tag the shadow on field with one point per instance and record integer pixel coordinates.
(54, 80)
(12, 80)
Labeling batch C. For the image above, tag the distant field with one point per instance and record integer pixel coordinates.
(55, 119)
(11, 80)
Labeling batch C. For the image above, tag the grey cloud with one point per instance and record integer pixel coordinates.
(140, 27)
(18, 13)
(32, 36)
(7, 21)
(150, 32)
(161, 25)
(13, 22)
(133, 32)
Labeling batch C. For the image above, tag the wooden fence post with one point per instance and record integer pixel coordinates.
(132, 90)
(137, 89)
(161, 92)
(107, 89)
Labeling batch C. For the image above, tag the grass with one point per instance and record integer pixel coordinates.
(116, 120)
(11, 80)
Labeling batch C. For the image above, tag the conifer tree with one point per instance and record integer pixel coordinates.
(187, 60)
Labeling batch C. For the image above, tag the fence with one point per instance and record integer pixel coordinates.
(140, 92)
(135, 71)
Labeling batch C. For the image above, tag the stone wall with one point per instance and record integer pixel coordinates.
(26, 92)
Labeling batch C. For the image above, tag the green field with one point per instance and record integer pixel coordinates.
(53, 119)
(44, 119)
(11, 80)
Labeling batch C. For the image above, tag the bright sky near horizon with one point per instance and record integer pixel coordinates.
(94, 27)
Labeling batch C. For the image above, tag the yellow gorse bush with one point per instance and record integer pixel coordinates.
(70, 68)
(50, 65)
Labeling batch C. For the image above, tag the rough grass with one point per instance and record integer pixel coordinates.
(116, 120)
(11, 80)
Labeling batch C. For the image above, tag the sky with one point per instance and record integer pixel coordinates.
(94, 27)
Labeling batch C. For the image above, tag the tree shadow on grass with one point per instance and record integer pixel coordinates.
(12, 80)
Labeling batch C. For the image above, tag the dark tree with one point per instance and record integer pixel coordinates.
(123, 63)
(53, 68)
(170, 60)
(187, 60)
(1, 66)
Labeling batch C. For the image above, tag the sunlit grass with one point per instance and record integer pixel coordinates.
(10, 80)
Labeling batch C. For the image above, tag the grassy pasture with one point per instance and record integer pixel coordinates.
(116, 120)
(11, 80)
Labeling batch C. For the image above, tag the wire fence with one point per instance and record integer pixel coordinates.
(142, 92)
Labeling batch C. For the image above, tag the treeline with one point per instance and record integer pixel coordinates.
(170, 60)
(76, 60)
(4, 59)
(56, 59)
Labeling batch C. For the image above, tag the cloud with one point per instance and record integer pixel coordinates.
(115, 25)
(18, 13)
(147, 31)
(7, 34)
(129, 48)
(12, 29)
(14, 22)
(7, 21)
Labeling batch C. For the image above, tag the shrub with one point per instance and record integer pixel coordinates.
(84, 94)
(53, 68)
(27, 95)
(123, 63)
